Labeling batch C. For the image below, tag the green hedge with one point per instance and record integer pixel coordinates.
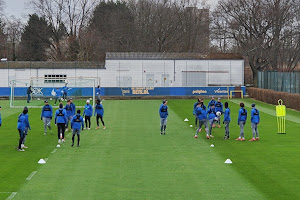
(271, 96)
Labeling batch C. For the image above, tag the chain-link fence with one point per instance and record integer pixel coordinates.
(279, 81)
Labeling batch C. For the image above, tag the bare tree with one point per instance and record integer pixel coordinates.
(13, 30)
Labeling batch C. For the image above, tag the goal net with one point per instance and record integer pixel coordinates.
(52, 89)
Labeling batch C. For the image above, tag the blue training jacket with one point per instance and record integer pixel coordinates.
(219, 107)
(255, 116)
(77, 122)
(227, 115)
(201, 113)
(73, 108)
(61, 116)
(195, 106)
(97, 91)
(163, 111)
(242, 115)
(99, 110)
(65, 89)
(88, 110)
(47, 111)
(58, 92)
(211, 113)
(0, 120)
(69, 110)
(23, 122)
(211, 103)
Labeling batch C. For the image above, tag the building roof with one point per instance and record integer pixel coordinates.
(171, 56)
(51, 65)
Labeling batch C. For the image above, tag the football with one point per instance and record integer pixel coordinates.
(218, 113)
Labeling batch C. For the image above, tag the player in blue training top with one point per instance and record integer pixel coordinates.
(99, 110)
(201, 115)
(219, 108)
(163, 113)
(73, 106)
(98, 93)
(70, 113)
(0, 117)
(46, 116)
(212, 118)
(227, 120)
(65, 92)
(255, 119)
(242, 121)
(88, 113)
(58, 93)
(194, 111)
(211, 103)
(23, 125)
(77, 125)
(61, 121)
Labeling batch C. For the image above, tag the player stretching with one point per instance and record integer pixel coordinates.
(242, 121)
(163, 113)
(70, 113)
(88, 112)
(226, 120)
(201, 115)
(212, 118)
(99, 110)
(194, 112)
(254, 122)
(61, 121)
(219, 108)
(77, 125)
(46, 116)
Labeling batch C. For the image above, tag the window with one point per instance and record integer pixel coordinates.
(55, 78)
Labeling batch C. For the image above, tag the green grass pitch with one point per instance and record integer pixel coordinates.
(131, 160)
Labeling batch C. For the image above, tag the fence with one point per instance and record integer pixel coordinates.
(279, 81)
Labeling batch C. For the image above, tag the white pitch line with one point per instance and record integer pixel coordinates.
(31, 175)
(54, 150)
(269, 111)
(11, 196)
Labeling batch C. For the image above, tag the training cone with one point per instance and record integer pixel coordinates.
(212, 145)
(228, 161)
(42, 161)
(191, 125)
(186, 120)
(58, 145)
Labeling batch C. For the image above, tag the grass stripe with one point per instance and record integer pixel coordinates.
(31, 175)
(11, 196)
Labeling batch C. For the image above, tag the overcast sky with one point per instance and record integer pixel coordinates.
(20, 8)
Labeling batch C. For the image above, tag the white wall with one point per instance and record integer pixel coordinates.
(143, 73)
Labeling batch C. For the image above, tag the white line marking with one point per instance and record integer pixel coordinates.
(11, 196)
(5, 192)
(269, 111)
(31, 175)
(54, 150)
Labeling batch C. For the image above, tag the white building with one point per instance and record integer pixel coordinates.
(137, 70)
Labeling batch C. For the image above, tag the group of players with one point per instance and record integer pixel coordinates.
(63, 117)
(212, 115)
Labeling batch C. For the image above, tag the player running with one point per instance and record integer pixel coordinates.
(61, 121)
(88, 112)
(99, 110)
(212, 118)
(242, 121)
(219, 108)
(46, 116)
(57, 95)
(194, 112)
(201, 115)
(227, 120)
(77, 125)
(23, 124)
(255, 119)
(70, 113)
(163, 113)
